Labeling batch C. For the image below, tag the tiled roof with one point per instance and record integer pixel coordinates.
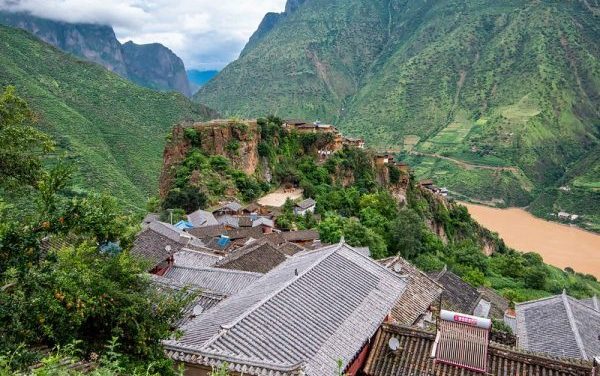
(592, 302)
(204, 300)
(313, 309)
(160, 240)
(499, 304)
(221, 281)
(413, 359)
(202, 218)
(301, 235)
(305, 204)
(228, 220)
(194, 259)
(560, 326)
(245, 221)
(246, 232)
(229, 206)
(258, 257)
(207, 231)
(262, 221)
(290, 249)
(458, 295)
(421, 291)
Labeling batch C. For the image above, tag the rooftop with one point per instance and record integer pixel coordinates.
(413, 358)
(305, 204)
(258, 257)
(559, 325)
(222, 281)
(421, 291)
(202, 218)
(458, 295)
(302, 316)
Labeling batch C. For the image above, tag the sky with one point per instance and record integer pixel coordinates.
(206, 34)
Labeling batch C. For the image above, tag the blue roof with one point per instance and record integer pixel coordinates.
(184, 225)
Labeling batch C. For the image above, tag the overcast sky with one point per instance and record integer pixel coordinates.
(206, 34)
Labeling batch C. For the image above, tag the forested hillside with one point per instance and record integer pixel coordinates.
(512, 86)
(113, 129)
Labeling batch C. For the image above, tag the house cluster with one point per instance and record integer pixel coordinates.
(338, 141)
(268, 302)
(430, 186)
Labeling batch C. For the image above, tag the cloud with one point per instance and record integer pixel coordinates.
(206, 34)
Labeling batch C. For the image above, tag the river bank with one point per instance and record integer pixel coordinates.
(560, 245)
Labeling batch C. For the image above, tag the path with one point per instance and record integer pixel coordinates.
(469, 166)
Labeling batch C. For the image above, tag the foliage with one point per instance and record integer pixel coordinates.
(515, 95)
(113, 129)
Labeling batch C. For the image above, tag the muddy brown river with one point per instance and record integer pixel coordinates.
(560, 245)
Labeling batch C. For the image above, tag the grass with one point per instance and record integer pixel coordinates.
(112, 129)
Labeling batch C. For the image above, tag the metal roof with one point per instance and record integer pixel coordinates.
(313, 309)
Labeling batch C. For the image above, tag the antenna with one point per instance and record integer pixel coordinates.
(394, 344)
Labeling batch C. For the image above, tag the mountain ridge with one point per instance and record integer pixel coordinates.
(515, 84)
(99, 44)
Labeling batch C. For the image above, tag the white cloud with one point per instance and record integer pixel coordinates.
(206, 34)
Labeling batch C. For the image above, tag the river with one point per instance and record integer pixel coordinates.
(560, 245)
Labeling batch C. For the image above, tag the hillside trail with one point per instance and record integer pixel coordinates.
(469, 166)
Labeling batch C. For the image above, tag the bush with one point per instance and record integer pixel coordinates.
(189, 199)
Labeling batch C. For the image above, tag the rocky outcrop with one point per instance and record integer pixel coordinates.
(236, 140)
(150, 65)
(155, 66)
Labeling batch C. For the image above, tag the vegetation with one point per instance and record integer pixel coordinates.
(499, 84)
(112, 129)
(66, 277)
(354, 200)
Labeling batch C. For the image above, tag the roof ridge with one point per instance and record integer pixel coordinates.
(537, 300)
(573, 325)
(265, 299)
(242, 252)
(230, 271)
(387, 270)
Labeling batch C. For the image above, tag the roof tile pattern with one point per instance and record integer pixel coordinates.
(303, 315)
(458, 295)
(560, 326)
(202, 218)
(258, 257)
(194, 259)
(216, 280)
(413, 359)
(421, 291)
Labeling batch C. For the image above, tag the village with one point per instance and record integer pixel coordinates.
(282, 302)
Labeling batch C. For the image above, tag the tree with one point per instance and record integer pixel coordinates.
(406, 234)
(21, 145)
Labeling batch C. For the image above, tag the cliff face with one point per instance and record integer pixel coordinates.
(151, 65)
(218, 138)
(154, 65)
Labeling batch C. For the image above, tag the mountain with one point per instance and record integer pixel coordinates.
(155, 66)
(498, 101)
(197, 78)
(151, 65)
(113, 129)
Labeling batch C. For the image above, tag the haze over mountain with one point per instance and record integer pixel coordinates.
(113, 130)
(198, 78)
(498, 101)
(150, 65)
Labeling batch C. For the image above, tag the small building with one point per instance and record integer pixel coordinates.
(305, 206)
(383, 159)
(202, 218)
(301, 237)
(228, 208)
(560, 326)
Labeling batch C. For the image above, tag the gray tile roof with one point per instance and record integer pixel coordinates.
(458, 295)
(202, 218)
(159, 241)
(207, 231)
(263, 221)
(221, 281)
(421, 291)
(300, 235)
(560, 326)
(204, 300)
(414, 359)
(499, 304)
(482, 309)
(592, 302)
(228, 220)
(311, 310)
(194, 259)
(305, 204)
(229, 206)
(258, 257)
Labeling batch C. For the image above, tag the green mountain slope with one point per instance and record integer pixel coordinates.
(114, 129)
(513, 86)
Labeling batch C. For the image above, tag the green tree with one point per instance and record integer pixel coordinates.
(21, 145)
